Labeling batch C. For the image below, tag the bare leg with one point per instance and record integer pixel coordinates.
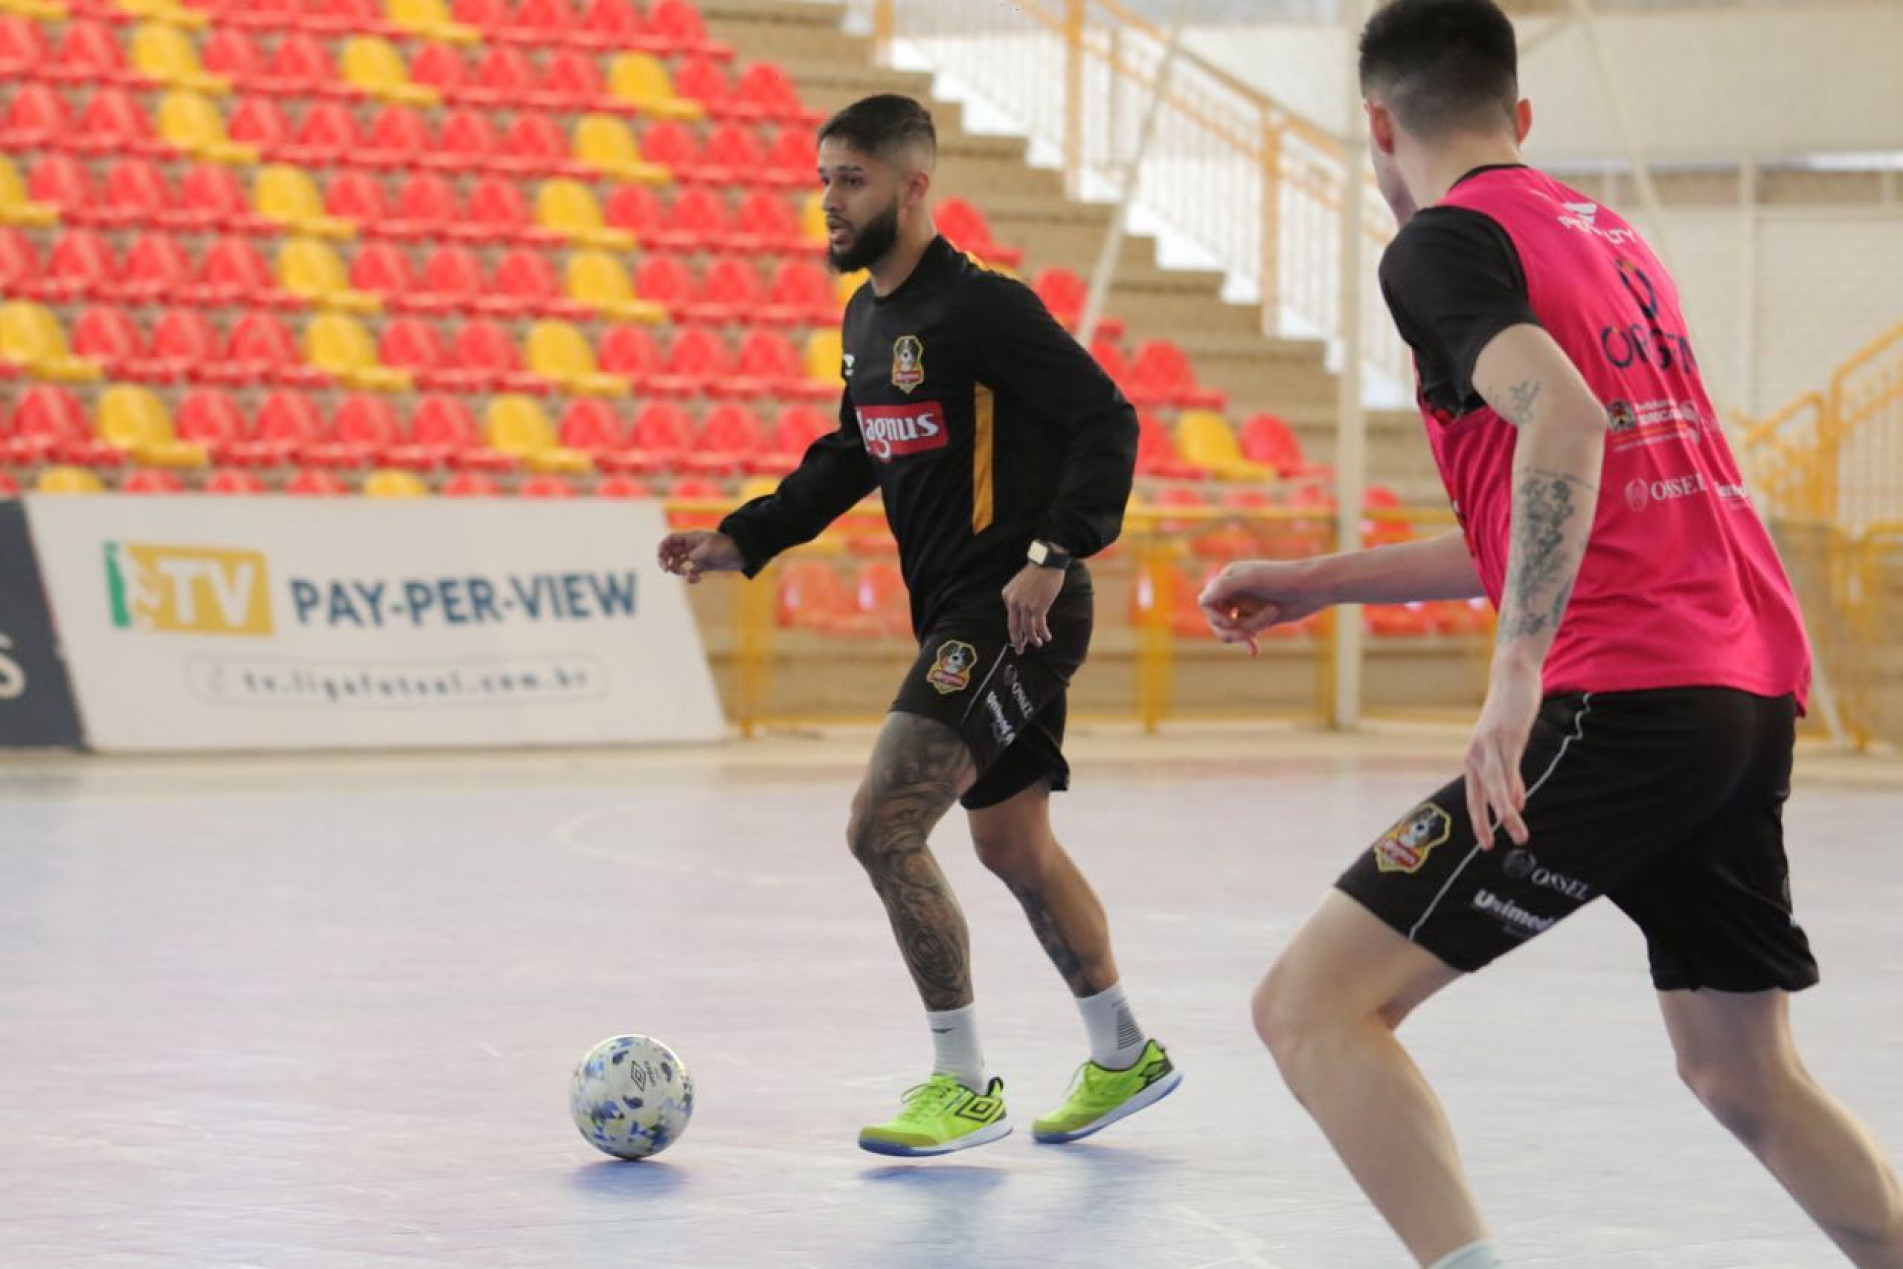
(919, 767)
(1327, 1011)
(1736, 1053)
(1014, 840)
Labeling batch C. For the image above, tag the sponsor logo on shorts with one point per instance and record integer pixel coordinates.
(893, 431)
(951, 669)
(908, 362)
(1520, 865)
(1005, 699)
(1405, 847)
(1516, 920)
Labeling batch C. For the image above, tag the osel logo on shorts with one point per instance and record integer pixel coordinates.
(1405, 847)
(951, 672)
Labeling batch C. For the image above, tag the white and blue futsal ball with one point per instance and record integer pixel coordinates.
(631, 1097)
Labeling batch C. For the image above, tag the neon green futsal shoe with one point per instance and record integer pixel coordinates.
(940, 1116)
(1100, 1097)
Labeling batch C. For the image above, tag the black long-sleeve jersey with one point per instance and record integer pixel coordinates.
(983, 423)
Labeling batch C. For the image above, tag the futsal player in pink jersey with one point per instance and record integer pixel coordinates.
(1650, 664)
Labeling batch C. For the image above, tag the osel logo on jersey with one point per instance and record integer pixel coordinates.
(908, 362)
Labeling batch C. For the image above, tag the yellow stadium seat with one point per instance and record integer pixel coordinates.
(641, 79)
(171, 12)
(430, 19)
(31, 336)
(289, 196)
(559, 351)
(191, 122)
(312, 270)
(518, 426)
(134, 419)
(598, 280)
(68, 480)
(16, 208)
(374, 65)
(569, 208)
(604, 143)
(38, 10)
(340, 346)
(1206, 440)
(824, 355)
(388, 483)
(162, 52)
(813, 219)
(758, 487)
(848, 285)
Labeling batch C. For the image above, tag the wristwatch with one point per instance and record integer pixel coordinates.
(1044, 555)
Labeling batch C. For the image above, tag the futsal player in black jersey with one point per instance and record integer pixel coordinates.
(1005, 457)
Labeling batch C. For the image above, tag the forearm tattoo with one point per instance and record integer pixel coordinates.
(1543, 563)
(918, 769)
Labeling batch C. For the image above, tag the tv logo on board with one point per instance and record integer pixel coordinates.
(188, 590)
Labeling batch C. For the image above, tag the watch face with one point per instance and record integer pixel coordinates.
(1039, 553)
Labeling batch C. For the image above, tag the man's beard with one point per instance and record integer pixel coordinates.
(869, 244)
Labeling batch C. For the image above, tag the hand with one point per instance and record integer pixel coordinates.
(1496, 793)
(1027, 601)
(700, 551)
(1249, 596)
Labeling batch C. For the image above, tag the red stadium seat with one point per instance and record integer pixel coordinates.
(383, 270)
(234, 271)
(37, 118)
(500, 212)
(485, 351)
(798, 427)
(571, 81)
(109, 336)
(677, 24)
(88, 53)
(66, 183)
(426, 207)
(1065, 295)
(359, 197)
(698, 221)
(731, 292)
(212, 193)
(137, 193)
(80, 266)
(1162, 375)
(591, 425)
(23, 49)
(328, 134)
(301, 66)
(767, 92)
(701, 78)
(525, 282)
(802, 295)
(399, 138)
(212, 418)
(264, 346)
(230, 52)
(263, 123)
(727, 443)
(152, 480)
(666, 281)
(316, 483)
(288, 424)
(413, 345)
(466, 142)
(547, 485)
(619, 24)
(184, 344)
(47, 421)
(639, 210)
(235, 483)
(622, 486)
(442, 67)
(629, 353)
(662, 434)
(697, 359)
(766, 221)
(115, 122)
(769, 364)
(735, 156)
(19, 264)
(452, 281)
(536, 146)
(472, 484)
(503, 75)
(967, 229)
(674, 146)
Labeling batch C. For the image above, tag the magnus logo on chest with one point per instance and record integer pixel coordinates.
(893, 431)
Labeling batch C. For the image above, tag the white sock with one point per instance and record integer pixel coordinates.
(1116, 1041)
(955, 1049)
(1480, 1255)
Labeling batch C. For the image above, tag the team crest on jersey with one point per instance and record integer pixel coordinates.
(951, 671)
(908, 362)
(1406, 846)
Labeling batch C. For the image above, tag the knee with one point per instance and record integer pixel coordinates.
(1010, 854)
(1741, 1095)
(861, 840)
(1286, 1017)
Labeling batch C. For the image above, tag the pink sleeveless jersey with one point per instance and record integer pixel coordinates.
(1681, 586)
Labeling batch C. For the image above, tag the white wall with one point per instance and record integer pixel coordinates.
(1700, 85)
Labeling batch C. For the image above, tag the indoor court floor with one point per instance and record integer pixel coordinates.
(322, 1012)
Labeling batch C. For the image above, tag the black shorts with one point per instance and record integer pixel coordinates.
(1669, 803)
(1009, 708)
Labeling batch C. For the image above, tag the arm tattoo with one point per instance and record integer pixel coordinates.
(1543, 565)
(917, 771)
(1518, 409)
(1050, 933)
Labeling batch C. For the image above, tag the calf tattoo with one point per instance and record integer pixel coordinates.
(917, 772)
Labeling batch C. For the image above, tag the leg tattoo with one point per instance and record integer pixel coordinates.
(918, 770)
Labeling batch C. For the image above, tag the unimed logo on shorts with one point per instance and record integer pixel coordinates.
(187, 589)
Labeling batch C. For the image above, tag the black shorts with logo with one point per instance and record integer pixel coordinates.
(1009, 708)
(1670, 803)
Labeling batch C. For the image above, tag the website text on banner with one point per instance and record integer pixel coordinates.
(216, 624)
(36, 701)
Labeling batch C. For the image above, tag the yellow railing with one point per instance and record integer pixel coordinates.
(1829, 468)
(1256, 187)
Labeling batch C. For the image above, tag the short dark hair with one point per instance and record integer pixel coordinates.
(882, 125)
(1442, 66)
